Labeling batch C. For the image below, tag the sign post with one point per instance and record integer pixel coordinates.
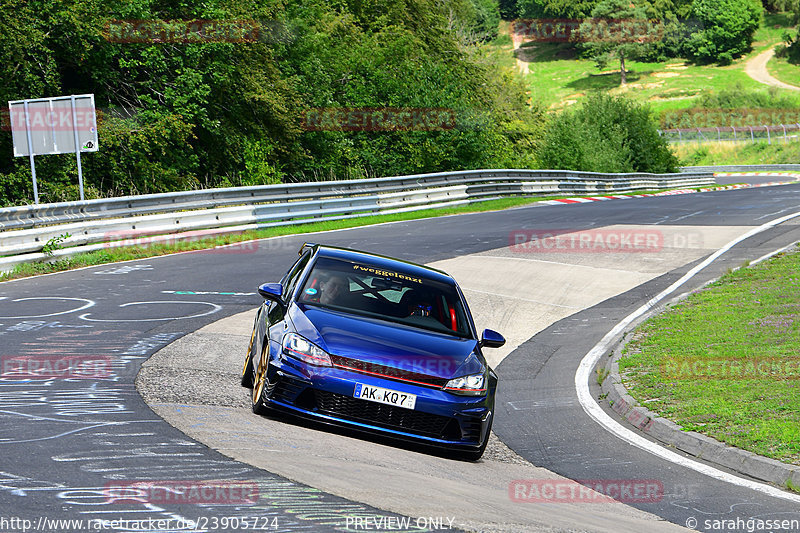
(59, 125)
(30, 151)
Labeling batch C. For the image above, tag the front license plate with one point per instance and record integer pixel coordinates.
(387, 396)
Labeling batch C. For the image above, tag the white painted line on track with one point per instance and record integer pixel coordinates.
(612, 426)
(88, 304)
(214, 309)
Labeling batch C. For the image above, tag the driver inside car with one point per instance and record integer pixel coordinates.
(333, 289)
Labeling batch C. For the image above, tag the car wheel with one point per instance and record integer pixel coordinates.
(474, 455)
(260, 386)
(247, 372)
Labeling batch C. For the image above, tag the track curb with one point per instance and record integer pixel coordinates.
(672, 435)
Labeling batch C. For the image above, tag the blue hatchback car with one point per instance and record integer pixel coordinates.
(375, 344)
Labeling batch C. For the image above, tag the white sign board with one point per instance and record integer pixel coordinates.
(59, 125)
(55, 125)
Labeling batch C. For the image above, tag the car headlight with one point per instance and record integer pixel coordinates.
(474, 385)
(300, 348)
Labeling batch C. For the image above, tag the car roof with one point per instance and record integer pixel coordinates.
(387, 263)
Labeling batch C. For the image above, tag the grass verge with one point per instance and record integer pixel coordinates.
(780, 68)
(557, 78)
(726, 361)
(737, 153)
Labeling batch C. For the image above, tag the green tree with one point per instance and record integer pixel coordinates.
(606, 134)
(776, 6)
(791, 48)
(618, 29)
(202, 113)
(509, 10)
(727, 29)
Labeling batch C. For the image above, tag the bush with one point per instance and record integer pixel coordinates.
(727, 29)
(607, 134)
(790, 50)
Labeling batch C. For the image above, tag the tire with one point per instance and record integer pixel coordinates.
(247, 372)
(259, 393)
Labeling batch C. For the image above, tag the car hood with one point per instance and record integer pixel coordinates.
(351, 339)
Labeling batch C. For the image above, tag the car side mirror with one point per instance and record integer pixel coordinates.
(492, 339)
(272, 291)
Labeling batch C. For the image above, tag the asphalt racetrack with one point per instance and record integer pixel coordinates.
(87, 447)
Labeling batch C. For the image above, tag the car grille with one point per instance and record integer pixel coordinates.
(387, 416)
(388, 371)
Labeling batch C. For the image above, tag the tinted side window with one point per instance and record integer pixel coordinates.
(294, 275)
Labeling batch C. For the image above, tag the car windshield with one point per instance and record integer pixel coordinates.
(392, 295)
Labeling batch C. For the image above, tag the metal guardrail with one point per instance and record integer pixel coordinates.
(744, 168)
(25, 230)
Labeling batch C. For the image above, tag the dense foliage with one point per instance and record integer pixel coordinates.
(704, 31)
(179, 115)
(791, 48)
(606, 134)
(727, 29)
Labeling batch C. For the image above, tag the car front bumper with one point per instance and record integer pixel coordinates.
(326, 394)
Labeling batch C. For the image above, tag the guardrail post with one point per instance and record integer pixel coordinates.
(769, 139)
(752, 139)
